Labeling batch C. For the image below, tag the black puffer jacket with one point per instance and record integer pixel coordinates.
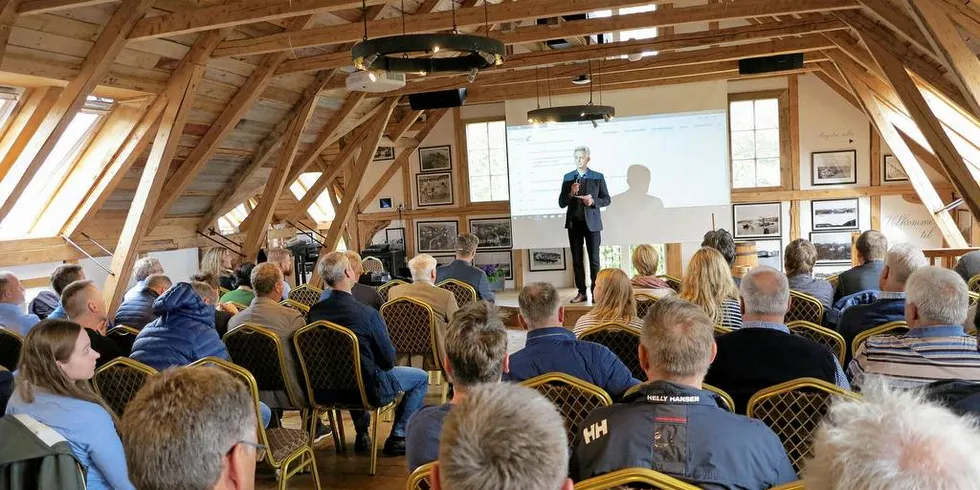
(137, 312)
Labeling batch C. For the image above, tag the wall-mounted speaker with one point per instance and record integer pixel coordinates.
(438, 100)
(767, 64)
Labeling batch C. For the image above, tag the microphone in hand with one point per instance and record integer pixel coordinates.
(575, 187)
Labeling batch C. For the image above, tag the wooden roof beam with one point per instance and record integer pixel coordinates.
(960, 61)
(35, 7)
(8, 10)
(894, 17)
(966, 14)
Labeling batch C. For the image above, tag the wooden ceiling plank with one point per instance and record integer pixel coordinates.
(965, 15)
(953, 51)
(328, 135)
(8, 11)
(36, 7)
(894, 17)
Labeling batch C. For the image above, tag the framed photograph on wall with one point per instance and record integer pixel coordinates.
(769, 252)
(833, 247)
(436, 236)
(546, 259)
(892, 171)
(384, 154)
(494, 233)
(833, 167)
(442, 260)
(435, 158)
(761, 220)
(500, 260)
(395, 237)
(434, 189)
(834, 214)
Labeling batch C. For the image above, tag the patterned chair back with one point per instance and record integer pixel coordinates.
(804, 307)
(411, 326)
(974, 298)
(10, 345)
(384, 288)
(259, 350)
(643, 304)
(338, 372)
(672, 281)
(633, 478)
(574, 398)
(119, 380)
(372, 264)
(896, 328)
(464, 293)
(296, 305)
(833, 280)
(305, 294)
(622, 340)
(826, 337)
(974, 284)
(726, 399)
(123, 336)
(793, 410)
(421, 478)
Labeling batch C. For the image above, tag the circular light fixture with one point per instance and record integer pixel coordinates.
(391, 53)
(571, 113)
(583, 79)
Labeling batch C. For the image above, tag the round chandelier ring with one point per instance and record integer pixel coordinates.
(571, 113)
(385, 53)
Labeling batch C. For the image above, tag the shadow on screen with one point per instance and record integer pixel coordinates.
(634, 207)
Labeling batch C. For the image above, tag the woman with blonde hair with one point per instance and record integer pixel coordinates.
(708, 283)
(613, 302)
(217, 262)
(56, 363)
(645, 261)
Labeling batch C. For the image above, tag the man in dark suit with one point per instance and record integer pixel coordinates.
(583, 192)
(871, 247)
(462, 268)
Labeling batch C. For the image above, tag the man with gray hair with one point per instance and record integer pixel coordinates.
(476, 353)
(583, 192)
(763, 352)
(191, 428)
(137, 311)
(900, 262)
(382, 379)
(423, 288)
(462, 268)
(894, 439)
(12, 315)
(503, 436)
(144, 268)
(720, 449)
(361, 292)
(935, 348)
(871, 247)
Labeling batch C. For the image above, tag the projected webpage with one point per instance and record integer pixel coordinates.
(666, 174)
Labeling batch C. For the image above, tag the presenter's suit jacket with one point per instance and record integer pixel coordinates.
(593, 183)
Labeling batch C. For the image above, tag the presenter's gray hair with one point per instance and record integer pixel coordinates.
(584, 149)
(902, 260)
(940, 295)
(503, 435)
(332, 267)
(765, 291)
(893, 439)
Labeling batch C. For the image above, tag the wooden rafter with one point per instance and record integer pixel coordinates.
(328, 135)
(8, 10)
(959, 59)
(36, 7)
(901, 24)
(32, 115)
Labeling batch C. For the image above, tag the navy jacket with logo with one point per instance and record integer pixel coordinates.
(683, 432)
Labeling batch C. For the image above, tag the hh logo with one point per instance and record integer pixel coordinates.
(596, 431)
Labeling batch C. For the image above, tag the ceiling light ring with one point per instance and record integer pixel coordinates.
(385, 53)
(572, 113)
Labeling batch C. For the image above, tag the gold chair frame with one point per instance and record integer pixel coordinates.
(793, 485)
(673, 282)
(130, 364)
(833, 280)
(726, 399)
(974, 284)
(16, 344)
(463, 286)
(806, 298)
(647, 300)
(722, 330)
(881, 329)
(239, 306)
(618, 327)
(571, 381)
(256, 329)
(223, 291)
(302, 455)
(296, 305)
(296, 294)
(626, 476)
(379, 268)
(840, 349)
(383, 289)
(433, 338)
(374, 411)
(974, 298)
(421, 475)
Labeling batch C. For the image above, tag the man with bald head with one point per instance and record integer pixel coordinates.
(763, 352)
(12, 315)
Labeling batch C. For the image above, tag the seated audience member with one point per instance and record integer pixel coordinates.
(57, 361)
(143, 269)
(763, 352)
(476, 353)
(423, 288)
(184, 331)
(137, 311)
(222, 311)
(382, 379)
(191, 428)
(871, 248)
(44, 303)
(462, 268)
(62, 276)
(482, 436)
(6, 387)
(893, 439)
(217, 262)
(935, 347)
(284, 259)
(722, 241)
(12, 315)
(551, 347)
(646, 261)
(361, 292)
(614, 302)
(243, 293)
(719, 449)
(900, 262)
(84, 304)
(968, 265)
(708, 283)
(800, 257)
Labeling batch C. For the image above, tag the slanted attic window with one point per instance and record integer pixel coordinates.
(8, 101)
(230, 222)
(322, 209)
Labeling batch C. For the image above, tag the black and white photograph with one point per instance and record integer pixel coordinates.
(435, 189)
(834, 214)
(833, 247)
(494, 233)
(395, 237)
(770, 252)
(500, 261)
(546, 259)
(834, 167)
(442, 260)
(435, 158)
(436, 236)
(892, 171)
(757, 220)
(384, 154)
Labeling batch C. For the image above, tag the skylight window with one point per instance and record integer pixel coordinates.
(630, 34)
(230, 222)
(8, 101)
(322, 209)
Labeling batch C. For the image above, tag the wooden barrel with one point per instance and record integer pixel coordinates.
(746, 257)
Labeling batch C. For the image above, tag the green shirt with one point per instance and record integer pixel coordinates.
(238, 296)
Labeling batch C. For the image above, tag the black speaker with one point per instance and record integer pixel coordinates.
(766, 64)
(438, 100)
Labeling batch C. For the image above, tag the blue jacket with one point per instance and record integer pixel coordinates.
(593, 183)
(555, 349)
(462, 270)
(704, 444)
(859, 318)
(183, 333)
(137, 311)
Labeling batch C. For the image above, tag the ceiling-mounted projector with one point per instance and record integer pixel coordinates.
(375, 81)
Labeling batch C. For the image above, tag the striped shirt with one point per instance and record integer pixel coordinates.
(919, 357)
(731, 313)
(589, 320)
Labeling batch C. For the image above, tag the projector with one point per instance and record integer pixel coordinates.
(375, 81)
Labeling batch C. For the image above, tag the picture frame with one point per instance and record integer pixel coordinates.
(436, 236)
(501, 259)
(891, 170)
(546, 259)
(395, 238)
(494, 233)
(833, 167)
(442, 260)
(757, 220)
(833, 247)
(384, 203)
(434, 189)
(384, 154)
(769, 252)
(435, 158)
(835, 214)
